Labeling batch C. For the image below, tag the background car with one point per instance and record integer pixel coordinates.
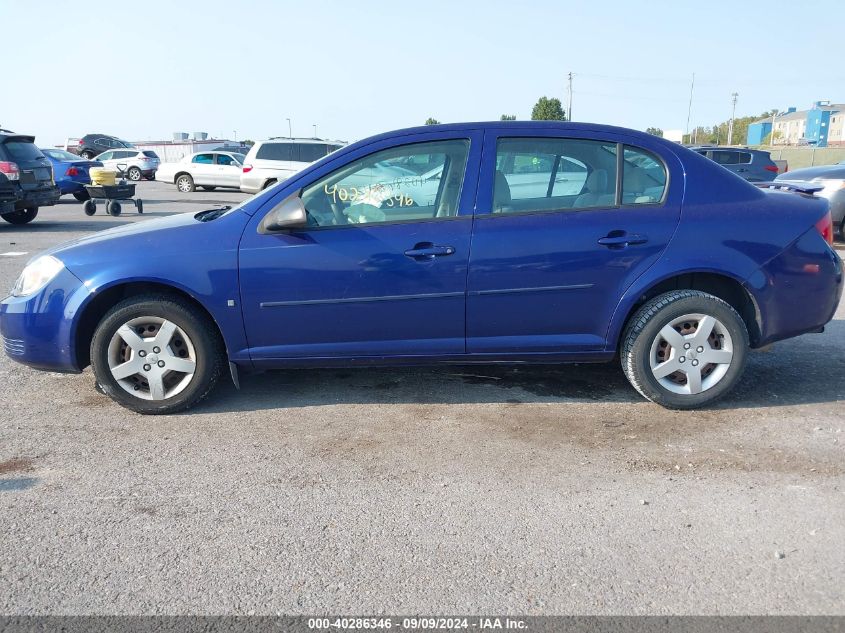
(138, 163)
(70, 172)
(275, 160)
(208, 170)
(832, 177)
(92, 145)
(31, 174)
(752, 164)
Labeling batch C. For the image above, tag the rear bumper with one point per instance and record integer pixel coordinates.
(38, 198)
(798, 291)
(39, 330)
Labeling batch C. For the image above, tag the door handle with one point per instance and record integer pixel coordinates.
(621, 239)
(428, 251)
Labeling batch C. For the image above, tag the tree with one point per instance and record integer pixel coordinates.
(548, 110)
(508, 117)
(656, 131)
(431, 121)
(249, 142)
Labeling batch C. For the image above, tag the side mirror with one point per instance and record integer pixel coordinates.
(288, 214)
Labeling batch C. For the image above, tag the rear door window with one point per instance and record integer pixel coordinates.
(724, 157)
(203, 159)
(550, 174)
(310, 152)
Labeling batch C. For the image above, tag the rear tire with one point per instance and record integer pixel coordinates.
(88, 154)
(24, 216)
(185, 184)
(684, 349)
(842, 230)
(134, 174)
(269, 184)
(82, 196)
(193, 339)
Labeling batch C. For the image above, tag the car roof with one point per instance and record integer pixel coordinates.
(289, 139)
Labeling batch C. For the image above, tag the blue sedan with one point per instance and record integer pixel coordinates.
(537, 242)
(71, 172)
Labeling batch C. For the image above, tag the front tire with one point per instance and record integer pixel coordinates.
(24, 216)
(157, 354)
(185, 184)
(684, 349)
(134, 174)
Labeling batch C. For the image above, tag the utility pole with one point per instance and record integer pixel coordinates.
(731, 124)
(569, 108)
(290, 130)
(315, 130)
(772, 134)
(689, 109)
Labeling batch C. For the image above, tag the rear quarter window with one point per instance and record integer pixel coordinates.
(275, 151)
(150, 154)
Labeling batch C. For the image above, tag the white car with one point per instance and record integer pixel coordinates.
(277, 159)
(208, 170)
(136, 163)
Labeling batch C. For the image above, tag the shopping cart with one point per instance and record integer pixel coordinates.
(111, 194)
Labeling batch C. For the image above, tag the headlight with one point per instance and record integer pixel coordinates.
(36, 275)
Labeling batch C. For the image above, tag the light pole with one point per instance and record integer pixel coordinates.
(772, 135)
(315, 130)
(235, 132)
(731, 124)
(290, 129)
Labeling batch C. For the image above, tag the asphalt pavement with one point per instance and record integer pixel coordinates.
(547, 490)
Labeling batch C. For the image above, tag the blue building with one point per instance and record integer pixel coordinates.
(820, 126)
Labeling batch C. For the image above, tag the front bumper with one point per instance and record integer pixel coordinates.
(39, 330)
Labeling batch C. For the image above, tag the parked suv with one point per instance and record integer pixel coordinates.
(135, 162)
(29, 173)
(91, 145)
(277, 159)
(752, 164)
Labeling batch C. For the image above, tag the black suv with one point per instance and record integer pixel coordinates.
(92, 145)
(26, 178)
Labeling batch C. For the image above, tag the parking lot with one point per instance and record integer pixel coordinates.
(479, 489)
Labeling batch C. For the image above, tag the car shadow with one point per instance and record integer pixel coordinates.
(805, 370)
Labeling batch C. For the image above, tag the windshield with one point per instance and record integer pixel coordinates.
(20, 150)
(60, 154)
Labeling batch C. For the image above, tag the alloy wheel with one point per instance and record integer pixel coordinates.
(691, 354)
(151, 358)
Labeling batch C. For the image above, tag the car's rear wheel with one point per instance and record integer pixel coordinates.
(185, 184)
(269, 184)
(24, 216)
(87, 154)
(208, 188)
(842, 230)
(156, 354)
(134, 174)
(82, 196)
(684, 349)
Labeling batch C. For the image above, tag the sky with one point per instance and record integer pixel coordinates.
(240, 69)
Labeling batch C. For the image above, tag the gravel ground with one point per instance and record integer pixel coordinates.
(472, 490)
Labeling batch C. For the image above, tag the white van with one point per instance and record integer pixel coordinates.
(277, 159)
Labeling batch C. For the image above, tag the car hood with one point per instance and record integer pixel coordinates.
(811, 173)
(158, 238)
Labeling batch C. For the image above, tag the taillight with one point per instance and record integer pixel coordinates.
(773, 168)
(247, 168)
(72, 171)
(80, 143)
(10, 170)
(825, 227)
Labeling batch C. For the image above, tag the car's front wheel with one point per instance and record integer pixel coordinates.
(156, 354)
(185, 183)
(684, 349)
(24, 216)
(134, 174)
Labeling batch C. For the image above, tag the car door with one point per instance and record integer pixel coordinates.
(549, 264)
(376, 272)
(228, 171)
(203, 169)
(104, 158)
